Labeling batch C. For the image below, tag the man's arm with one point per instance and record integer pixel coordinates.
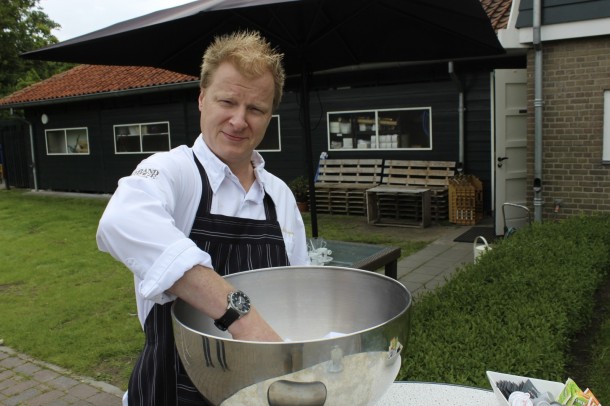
(207, 291)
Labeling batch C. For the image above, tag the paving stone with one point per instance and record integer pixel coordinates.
(6, 374)
(28, 368)
(19, 387)
(46, 398)
(59, 402)
(105, 399)
(83, 391)
(21, 397)
(63, 382)
(45, 375)
(11, 362)
(7, 383)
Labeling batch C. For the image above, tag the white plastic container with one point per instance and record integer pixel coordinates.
(543, 386)
(479, 248)
(346, 128)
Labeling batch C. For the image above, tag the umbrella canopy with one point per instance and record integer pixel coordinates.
(314, 35)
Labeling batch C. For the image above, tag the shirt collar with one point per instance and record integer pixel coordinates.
(217, 170)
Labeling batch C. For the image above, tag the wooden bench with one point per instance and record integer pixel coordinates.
(411, 193)
(342, 183)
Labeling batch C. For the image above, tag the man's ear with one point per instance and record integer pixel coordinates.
(200, 99)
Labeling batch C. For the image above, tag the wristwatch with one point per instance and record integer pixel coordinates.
(238, 305)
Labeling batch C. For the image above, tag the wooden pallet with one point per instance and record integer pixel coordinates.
(342, 183)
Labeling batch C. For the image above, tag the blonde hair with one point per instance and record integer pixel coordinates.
(250, 53)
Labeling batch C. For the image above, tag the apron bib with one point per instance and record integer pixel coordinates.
(235, 244)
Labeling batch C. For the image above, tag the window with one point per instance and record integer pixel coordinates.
(141, 138)
(409, 128)
(67, 141)
(272, 140)
(606, 141)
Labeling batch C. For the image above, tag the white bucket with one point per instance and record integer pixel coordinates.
(479, 248)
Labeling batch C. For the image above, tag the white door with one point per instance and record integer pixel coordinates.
(510, 164)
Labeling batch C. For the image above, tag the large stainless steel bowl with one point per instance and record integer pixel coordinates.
(344, 330)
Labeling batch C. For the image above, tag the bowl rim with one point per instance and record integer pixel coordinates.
(179, 301)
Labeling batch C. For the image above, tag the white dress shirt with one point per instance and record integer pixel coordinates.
(149, 218)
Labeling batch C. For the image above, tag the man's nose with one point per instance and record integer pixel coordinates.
(238, 120)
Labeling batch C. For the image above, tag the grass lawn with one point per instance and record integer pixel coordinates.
(66, 303)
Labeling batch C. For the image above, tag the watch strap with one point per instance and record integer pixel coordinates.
(227, 319)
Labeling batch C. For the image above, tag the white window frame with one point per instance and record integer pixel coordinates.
(72, 143)
(136, 130)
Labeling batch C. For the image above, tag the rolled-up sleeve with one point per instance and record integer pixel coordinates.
(146, 226)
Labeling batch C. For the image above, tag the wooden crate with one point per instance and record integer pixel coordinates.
(398, 206)
(465, 200)
(433, 175)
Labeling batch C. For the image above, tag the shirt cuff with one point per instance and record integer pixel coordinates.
(171, 266)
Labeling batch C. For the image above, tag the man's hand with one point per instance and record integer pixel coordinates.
(252, 327)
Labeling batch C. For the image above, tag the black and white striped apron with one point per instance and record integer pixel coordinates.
(235, 244)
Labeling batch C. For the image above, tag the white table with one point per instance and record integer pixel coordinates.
(424, 393)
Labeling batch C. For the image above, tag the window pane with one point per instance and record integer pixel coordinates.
(271, 140)
(405, 128)
(56, 142)
(127, 143)
(156, 128)
(78, 141)
(155, 143)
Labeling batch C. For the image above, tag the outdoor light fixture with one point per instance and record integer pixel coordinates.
(537, 185)
(44, 119)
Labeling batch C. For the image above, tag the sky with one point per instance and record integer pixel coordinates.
(78, 17)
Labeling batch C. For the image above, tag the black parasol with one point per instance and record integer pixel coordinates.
(314, 35)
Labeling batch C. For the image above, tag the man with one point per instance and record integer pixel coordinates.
(185, 217)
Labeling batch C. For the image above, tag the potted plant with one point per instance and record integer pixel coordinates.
(300, 188)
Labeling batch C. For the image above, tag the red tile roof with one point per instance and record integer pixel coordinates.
(498, 12)
(85, 80)
(95, 79)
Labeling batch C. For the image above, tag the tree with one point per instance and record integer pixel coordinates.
(24, 27)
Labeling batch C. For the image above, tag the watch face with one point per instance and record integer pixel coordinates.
(240, 302)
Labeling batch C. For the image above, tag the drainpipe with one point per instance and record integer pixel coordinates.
(460, 88)
(538, 103)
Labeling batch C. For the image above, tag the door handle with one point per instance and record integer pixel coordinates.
(500, 159)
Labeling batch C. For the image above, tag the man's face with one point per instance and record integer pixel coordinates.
(235, 112)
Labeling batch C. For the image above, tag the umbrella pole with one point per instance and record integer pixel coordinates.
(309, 150)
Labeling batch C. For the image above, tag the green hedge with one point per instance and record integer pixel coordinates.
(515, 311)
